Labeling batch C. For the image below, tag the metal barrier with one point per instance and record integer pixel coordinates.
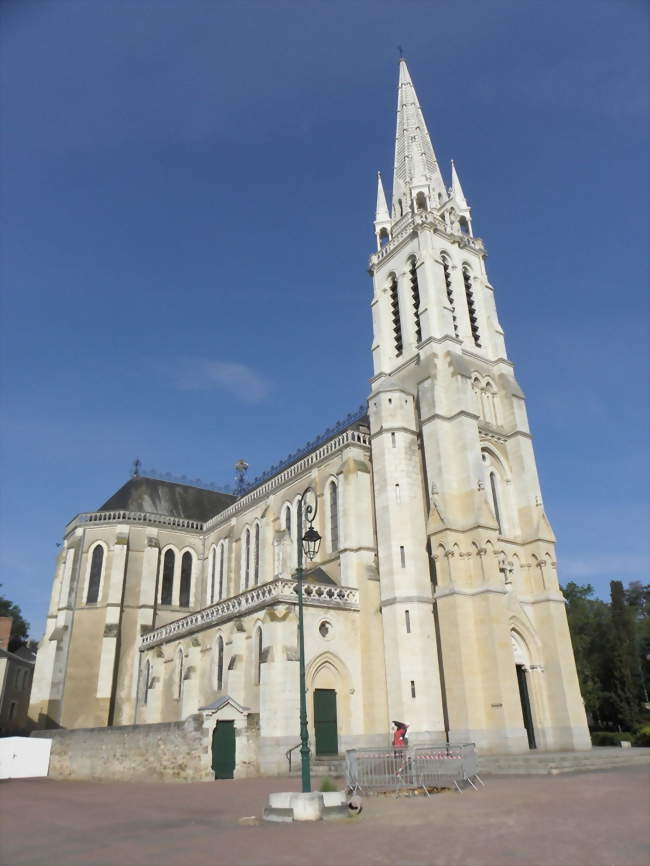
(446, 766)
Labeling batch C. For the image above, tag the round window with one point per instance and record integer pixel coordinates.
(325, 629)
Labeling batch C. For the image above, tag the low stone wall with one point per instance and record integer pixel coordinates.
(172, 752)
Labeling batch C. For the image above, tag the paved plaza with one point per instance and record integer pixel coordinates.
(598, 818)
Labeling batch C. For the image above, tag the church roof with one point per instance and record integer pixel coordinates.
(167, 497)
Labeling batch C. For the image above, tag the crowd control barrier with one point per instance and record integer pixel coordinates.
(418, 767)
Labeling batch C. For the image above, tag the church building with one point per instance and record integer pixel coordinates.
(434, 596)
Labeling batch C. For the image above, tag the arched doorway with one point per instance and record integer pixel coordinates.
(522, 666)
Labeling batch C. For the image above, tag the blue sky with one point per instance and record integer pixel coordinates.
(186, 199)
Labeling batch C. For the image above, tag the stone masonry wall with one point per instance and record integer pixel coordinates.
(171, 752)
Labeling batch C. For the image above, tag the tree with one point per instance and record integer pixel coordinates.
(623, 676)
(19, 626)
(637, 596)
(589, 624)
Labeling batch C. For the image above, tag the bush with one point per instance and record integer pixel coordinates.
(609, 738)
(642, 736)
(327, 785)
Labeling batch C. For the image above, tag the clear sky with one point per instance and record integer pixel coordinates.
(187, 198)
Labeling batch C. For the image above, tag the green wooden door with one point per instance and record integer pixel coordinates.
(223, 750)
(327, 740)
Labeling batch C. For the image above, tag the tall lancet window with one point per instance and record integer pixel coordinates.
(247, 557)
(495, 500)
(222, 568)
(471, 306)
(167, 588)
(450, 292)
(256, 555)
(397, 322)
(334, 516)
(415, 294)
(186, 580)
(96, 563)
(213, 573)
(219, 663)
(287, 520)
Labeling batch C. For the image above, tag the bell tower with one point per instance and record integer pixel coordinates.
(466, 553)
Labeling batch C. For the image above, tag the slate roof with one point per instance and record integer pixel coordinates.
(167, 497)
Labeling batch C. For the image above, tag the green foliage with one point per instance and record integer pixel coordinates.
(609, 738)
(328, 785)
(610, 642)
(642, 737)
(19, 626)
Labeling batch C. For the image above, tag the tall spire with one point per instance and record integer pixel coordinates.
(416, 168)
(456, 188)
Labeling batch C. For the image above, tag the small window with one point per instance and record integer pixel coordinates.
(402, 556)
(287, 520)
(12, 711)
(407, 621)
(167, 588)
(421, 201)
(96, 564)
(185, 593)
(412, 688)
(398, 497)
(393, 440)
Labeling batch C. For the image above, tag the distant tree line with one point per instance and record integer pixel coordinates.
(611, 642)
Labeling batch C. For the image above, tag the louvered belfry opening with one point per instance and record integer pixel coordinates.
(471, 307)
(397, 323)
(415, 294)
(450, 293)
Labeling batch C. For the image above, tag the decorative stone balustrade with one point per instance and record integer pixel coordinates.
(349, 437)
(133, 517)
(276, 592)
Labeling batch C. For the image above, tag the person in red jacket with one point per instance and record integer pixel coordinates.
(400, 740)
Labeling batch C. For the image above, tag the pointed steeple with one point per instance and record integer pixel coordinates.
(456, 188)
(382, 217)
(416, 168)
(381, 214)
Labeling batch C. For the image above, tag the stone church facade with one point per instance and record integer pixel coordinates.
(434, 598)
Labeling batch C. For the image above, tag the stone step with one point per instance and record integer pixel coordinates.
(563, 762)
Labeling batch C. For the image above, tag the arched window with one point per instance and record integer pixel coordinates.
(463, 225)
(334, 515)
(179, 675)
(96, 565)
(400, 206)
(287, 520)
(147, 679)
(383, 238)
(415, 294)
(450, 292)
(247, 557)
(471, 306)
(421, 201)
(258, 656)
(222, 568)
(167, 588)
(256, 559)
(495, 499)
(186, 580)
(219, 663)
(213, 573)
(397, 323)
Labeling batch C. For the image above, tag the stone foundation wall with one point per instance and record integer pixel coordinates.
(171, 752)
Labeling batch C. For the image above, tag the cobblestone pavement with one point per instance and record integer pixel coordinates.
(596, 819)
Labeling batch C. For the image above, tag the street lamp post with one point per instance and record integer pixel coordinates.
(308, 545)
